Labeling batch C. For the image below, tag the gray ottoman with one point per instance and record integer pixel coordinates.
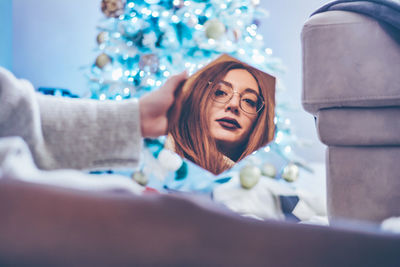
(351, 84)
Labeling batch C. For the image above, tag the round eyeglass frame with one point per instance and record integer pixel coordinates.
(240, 102)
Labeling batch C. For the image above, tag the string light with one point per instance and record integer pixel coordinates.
(175, 19)
(151, 82)
(146, 11)
(162, 24)
(279, 137)
(116, 74)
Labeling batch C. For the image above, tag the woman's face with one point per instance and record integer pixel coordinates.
(229, 124)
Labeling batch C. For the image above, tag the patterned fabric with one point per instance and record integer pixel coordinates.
(275, 199)
(288, 204)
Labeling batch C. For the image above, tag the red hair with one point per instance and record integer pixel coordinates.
(191, 131)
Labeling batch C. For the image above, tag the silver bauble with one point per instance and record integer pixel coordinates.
(113, 8)
(102, 60)
(102, 37)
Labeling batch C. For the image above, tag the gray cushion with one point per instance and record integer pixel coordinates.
(348, 60)
(359, 126)
(363, 182)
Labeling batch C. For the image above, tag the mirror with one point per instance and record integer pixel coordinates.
(225, 112)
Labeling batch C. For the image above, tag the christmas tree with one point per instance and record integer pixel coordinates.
(142, 42)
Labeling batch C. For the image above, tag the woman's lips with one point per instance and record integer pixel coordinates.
(229, 123)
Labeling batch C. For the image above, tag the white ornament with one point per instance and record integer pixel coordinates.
(149, 39)
(268, 169)
(291, 172)
(214, 29)
(169, 160)
(249, 176)
(140, 177)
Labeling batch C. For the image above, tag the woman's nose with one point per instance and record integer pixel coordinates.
(234, 103)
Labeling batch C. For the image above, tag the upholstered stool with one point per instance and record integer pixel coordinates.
(351, 84)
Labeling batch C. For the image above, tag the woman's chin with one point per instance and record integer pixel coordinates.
(226, 140)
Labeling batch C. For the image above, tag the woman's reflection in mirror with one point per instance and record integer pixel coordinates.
(227, 113)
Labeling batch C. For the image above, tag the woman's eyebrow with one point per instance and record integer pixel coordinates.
(245, 90)
(227, 83)
(250, 91)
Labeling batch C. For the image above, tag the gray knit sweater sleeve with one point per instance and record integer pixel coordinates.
(70, 133)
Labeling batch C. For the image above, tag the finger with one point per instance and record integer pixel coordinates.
(174, 82)
(182, 76)
(174, 111)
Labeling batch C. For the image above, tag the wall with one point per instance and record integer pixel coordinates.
(281, 31)
(54, 39)
(6, 33)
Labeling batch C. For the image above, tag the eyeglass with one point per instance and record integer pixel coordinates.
(250, 101)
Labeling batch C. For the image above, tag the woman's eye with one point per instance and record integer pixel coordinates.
(219, 92)
(250, 102)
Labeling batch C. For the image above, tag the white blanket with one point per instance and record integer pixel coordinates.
(16, 163)
(263, 201)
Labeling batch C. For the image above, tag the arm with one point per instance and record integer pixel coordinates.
(81, 133)
(87, 134)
